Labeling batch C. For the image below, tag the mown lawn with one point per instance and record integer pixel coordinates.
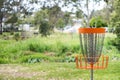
(56, 71)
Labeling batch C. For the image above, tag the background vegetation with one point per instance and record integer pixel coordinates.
(58, 47)
(49, 55)
(52, 58)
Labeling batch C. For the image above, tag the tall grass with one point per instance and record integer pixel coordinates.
(59, 44)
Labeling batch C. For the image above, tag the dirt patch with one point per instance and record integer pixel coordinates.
(19, 71)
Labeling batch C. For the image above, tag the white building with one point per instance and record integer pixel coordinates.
(73, 29)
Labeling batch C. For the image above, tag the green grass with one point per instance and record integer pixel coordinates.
(43, 58)
(60, 45)
(57, 71)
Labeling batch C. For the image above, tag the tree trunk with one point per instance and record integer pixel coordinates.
(1, 18)
(88, 15)
(0, 28)
(12, 29)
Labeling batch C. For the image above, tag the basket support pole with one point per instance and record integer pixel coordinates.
(91, 72)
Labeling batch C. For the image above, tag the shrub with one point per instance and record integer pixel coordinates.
(97, 22)
(3, 61)
(16, 36)
(45, 28)
(116, 42)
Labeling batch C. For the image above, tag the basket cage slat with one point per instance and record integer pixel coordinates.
(102, 63)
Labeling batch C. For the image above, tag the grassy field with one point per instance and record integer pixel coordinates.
(51, 58)
(56, 71)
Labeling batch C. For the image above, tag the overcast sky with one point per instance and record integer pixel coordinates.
(92, 5)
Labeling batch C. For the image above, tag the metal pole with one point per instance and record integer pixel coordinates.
(91, 72)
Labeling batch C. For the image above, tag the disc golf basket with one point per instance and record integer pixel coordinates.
(91, 43)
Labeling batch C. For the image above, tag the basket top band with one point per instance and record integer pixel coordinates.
(91, 30)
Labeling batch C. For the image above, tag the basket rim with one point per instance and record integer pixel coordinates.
(91, 30)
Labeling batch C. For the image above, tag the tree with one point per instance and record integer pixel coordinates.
(45, 28)
(66, 18)
(60, 23)
(79, 14)
(12, 20)
(8, 10)
(41, 19)
(105, 13)
(56, 5)
(115, 21)
(81, 5)
(1, 14)
(20, 8)
(41, 16)
(63, 20)
(53, 16)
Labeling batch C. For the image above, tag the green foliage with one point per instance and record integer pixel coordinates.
(106, 1)
(60, 23)
(116, 41)
(58, 44)
(55, 47)
(1, 3)
(37, 47)
(45, 28)
(40, 16)
(52, 17)
(62, 48)
(4, 61)
(57, 18)
(70, 59)
(115, 22)
(74, 0)
(13, 19)
(97, 22)
(34, 58)
(42, 19)
(16, 36)
(117, 31)
(66, 18)
(54, 11)
(79, 14)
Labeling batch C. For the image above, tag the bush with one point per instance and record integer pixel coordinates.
(116, 42)
(16, 36)
(4, 61)
(45, 28)
(97, 22)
